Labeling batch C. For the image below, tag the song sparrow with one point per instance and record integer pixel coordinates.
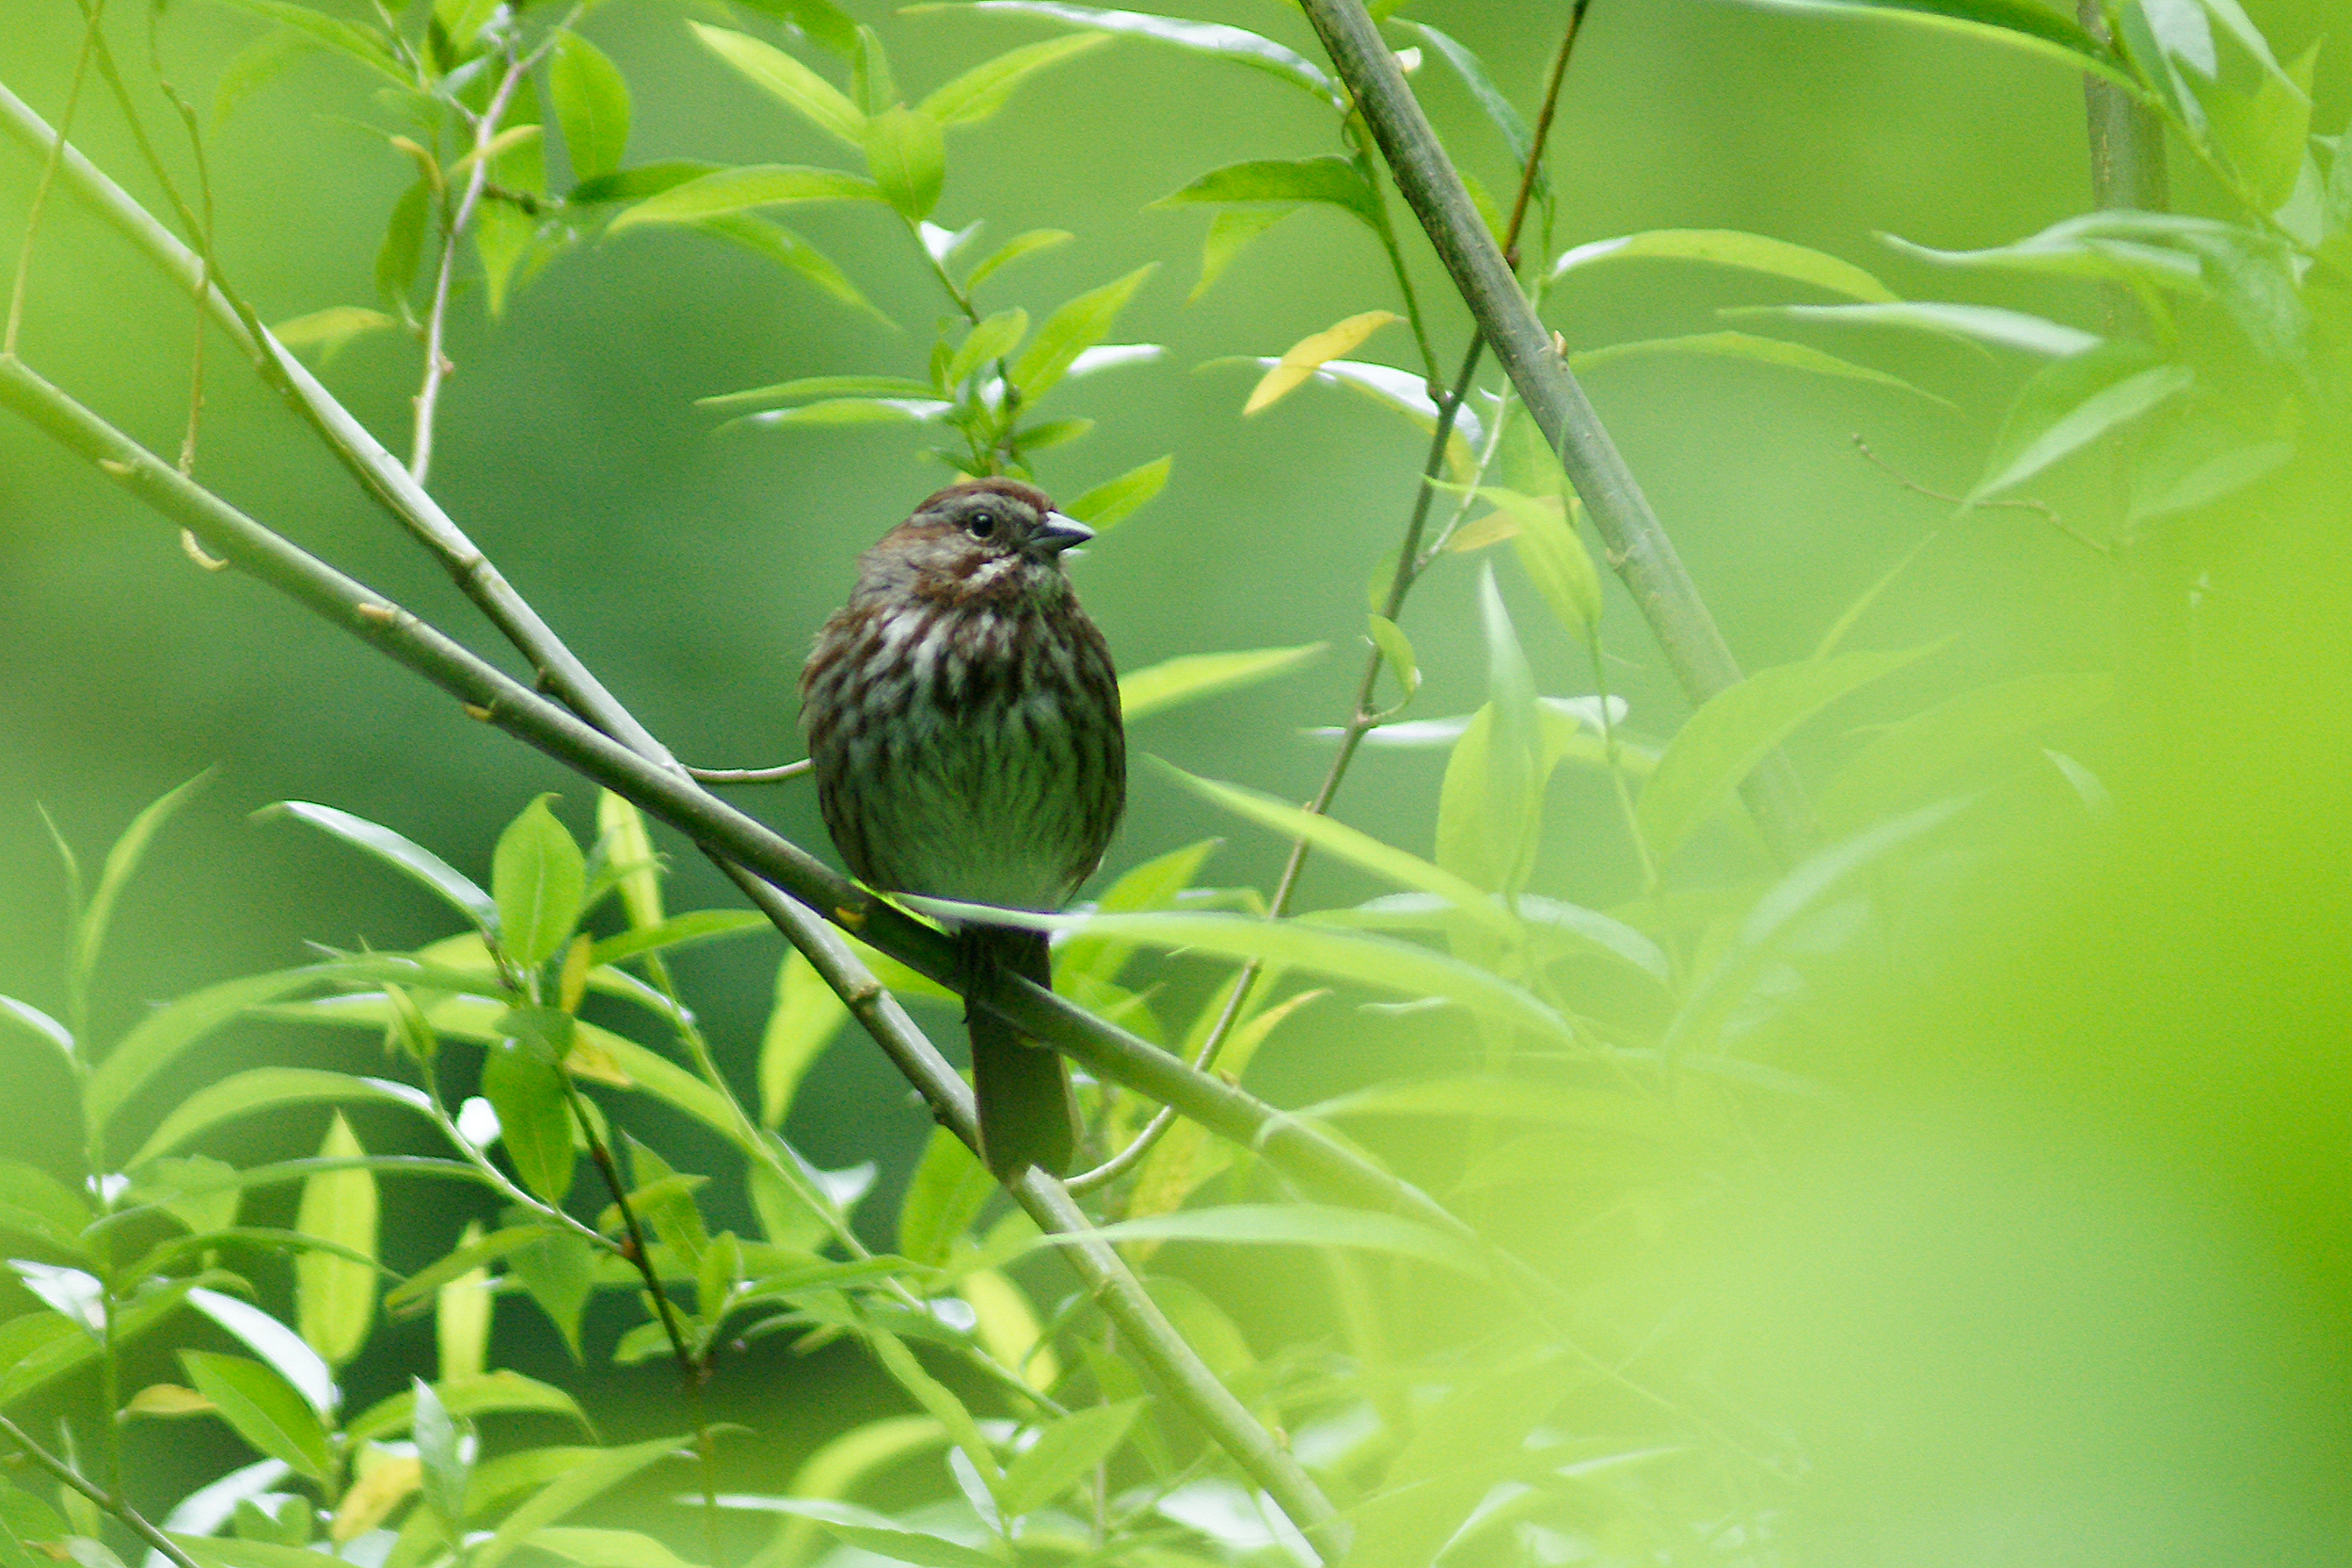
(963, 716)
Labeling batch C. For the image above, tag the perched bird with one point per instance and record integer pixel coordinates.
(963, 716)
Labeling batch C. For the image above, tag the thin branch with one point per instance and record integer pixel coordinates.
(1361, 718)
(52, 155)
(725, 776)
(1962, 503)
(106, 1502)
(1638, 546)
(378, 470)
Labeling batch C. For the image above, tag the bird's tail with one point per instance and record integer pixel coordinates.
(1027, 1116)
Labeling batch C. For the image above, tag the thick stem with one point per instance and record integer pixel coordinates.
(1637, 544)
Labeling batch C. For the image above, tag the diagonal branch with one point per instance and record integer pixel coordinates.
(1637, 544)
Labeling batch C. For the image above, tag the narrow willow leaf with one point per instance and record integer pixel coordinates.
(1229, 232)
(943, 1198)
(936, 1398)
(825, 23)
(636, 185)
(1114, 500)
(1329, 179)
(1589, 928)
(583, 1482)
(908, 158)
(364, 44)
(1731, 247)
(1736, 729)
(807, 1014)
(834, 412)
(1745, 345)
(1052, 432)
(1310, 353)
(1907, 760)
(981, 92)
(2018, 24)
(1292, 1225)
(1034, 241)
(265, 1089)
(1192, 676)
(1352, 845)
(1370, 961)
(591, 105)
(537, 876)
(1074, 327)
(254, 67)
(1202, 38)
(1979, 324)
(607, 1548)
(2070, 405)
(1569, 1108)
(684, 930)
(1401, 391)
(900, 1544)
(558, 1270)
(534, 1121)
(1499, 110)
(789, 82)
(461, 1319)
(773, 242)
(122, 861)
(811, 387)
(990, 338)
(335, 1296)
(370, 1500)
(332, 329)
(2127, 246)
(42, 1027)
(413, 859)
(34, 1203)
(263, 1409)
(1396, 652)
(1553, 555)
(159, 1038)
(275, 1343)
(728, 191)
(1065, 1451)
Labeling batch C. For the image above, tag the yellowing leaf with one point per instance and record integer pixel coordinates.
(1479, 533)
(1308, 354)
(335, 1297)
(374, 1497)
(168, 1399)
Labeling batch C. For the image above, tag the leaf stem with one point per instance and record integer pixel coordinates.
(54, 156)
(109, 1502)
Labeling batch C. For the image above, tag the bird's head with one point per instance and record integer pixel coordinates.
(985, 541)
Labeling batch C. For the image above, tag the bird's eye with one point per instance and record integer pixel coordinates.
(982, 524)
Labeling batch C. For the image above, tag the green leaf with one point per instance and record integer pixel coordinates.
(789, 82)
(872, 88)
(1731, 247)
(1373, 962)
(1052, 432)
(1979, 324)
(34, 1203)
(440, 1452)
(679, 930)
(254, 67)
(1745, 345)
(981, 92)
(537, 875)
(765, 238)
(943, 1198)
(1292, 1225)
(558, 1268)
(1907, 760)
(2139, 248)
(992, 338)
(396, 255)
(264, 1410)
(2069, 405)
(607, 1548)
(1070, 331)
(821, 386)
(1735, 730)
(1065, 1451)
(586, 1481)
(1192, 676)
(836, 1468)
(159, 1038)
(1499, 110)
(901, 1544)
(1201, 38)
(265, 1089)
(1329, 179)
(850, 411)
(936, 1398)
(1553, 555)
(729, 191)
(335, 1297)
(122, 860)
(42, 1027)
(908, 158)
(1114, 500)
(202, 1194)
(419, 1287)
(534, 1121)
(825, 23)
(2018, 24)
(1566, 1108)
(1396, 652)
(591, 105)
(1018, 247)
(1229, 232)
(1354, 845)
(456, 889)
(215, 1551)
(479, 1395)
(330, 330)
(364, 44)
(806, 1016)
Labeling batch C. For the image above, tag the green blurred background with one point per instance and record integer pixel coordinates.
(2071, 1290)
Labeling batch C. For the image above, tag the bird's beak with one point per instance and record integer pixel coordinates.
(1061, 534)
